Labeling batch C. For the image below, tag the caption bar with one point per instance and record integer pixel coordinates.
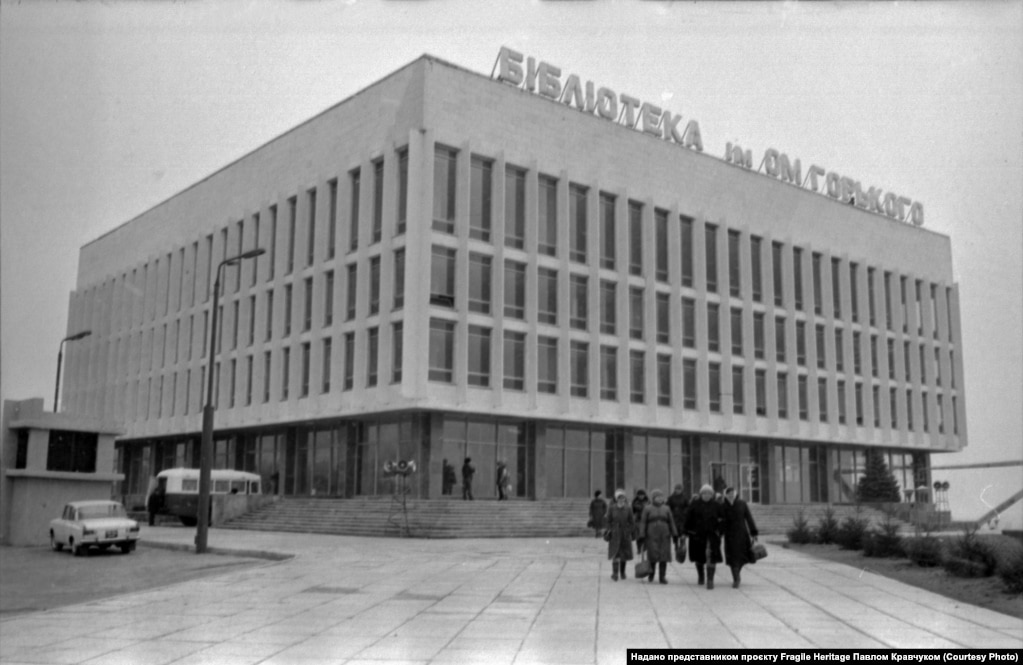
(785, 656)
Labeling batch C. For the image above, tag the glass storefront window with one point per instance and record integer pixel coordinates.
(657, 464)
(639, 475)
(555, 466)
(577, 463)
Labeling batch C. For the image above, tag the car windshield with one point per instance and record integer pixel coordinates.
(106, 510)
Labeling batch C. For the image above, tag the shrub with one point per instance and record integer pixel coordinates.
(800, 533)
(1011, 573)
(850, 534)
(884, 541)
(827, 527)
(960, 567)
(970, 557)
(924, 551)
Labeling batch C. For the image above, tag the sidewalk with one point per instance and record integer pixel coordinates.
(376, 600)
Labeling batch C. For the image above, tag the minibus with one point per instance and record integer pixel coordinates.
(180, 490)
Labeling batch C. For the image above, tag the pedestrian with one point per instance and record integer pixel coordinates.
(621, 527)
(448, 478)
(598, 509)
(155, 503)
(502, 481)
(740, 532)
(468, 471)
(678, 502)
(657, 527)
(703, 527)
(639, 502)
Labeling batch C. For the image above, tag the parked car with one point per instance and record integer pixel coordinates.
(87, 524)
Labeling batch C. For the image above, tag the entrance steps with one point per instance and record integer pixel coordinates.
(451, 518)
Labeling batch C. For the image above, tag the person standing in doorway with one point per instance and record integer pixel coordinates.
(703, 526)
(740, 531)
(468, 472)
(155, 503)
(621, 526)
(502, 481)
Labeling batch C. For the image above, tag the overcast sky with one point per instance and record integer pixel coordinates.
(108, 109)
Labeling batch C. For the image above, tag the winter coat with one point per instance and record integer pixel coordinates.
(657, 527)
(638, 504)
(679, 505)
(621, 525)
(737, 526)
(598, 509)
(703, 524)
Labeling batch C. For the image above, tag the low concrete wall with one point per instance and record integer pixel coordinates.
(229, 506)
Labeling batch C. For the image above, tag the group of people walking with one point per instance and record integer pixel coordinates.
(658, 524)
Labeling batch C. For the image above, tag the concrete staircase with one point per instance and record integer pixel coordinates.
(447, 518)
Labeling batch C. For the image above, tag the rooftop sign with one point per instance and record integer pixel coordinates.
(545, 80)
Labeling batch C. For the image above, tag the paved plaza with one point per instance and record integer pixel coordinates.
(376, 600)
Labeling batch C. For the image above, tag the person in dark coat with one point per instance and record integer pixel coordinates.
(678, 503)
(598, 510)
(739, 530)
(657, 528)
(639, 502)
(621, 526)
(449, 479)
(703, 526)
(155, 503)
(502, 481)
(468, 471)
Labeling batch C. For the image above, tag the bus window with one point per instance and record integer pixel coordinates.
(254, 487)
(189, 484)
(237, 487)
(220, 486)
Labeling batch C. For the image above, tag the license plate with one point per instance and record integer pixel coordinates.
(112, 534)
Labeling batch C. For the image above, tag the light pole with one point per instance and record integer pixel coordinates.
(206, 447)
(60, 358)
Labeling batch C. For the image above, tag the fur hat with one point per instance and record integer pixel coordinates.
(707, 488)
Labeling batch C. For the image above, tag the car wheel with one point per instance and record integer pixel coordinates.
(57, 546)
(77, 550)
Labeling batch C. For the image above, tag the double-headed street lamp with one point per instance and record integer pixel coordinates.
(206, 448)
(60, 358)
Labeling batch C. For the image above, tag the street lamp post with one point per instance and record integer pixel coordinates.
(206, 447)
(60, 358)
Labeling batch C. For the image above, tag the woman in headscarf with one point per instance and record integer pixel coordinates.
(639, 502)
(657, 528)
(598, 509)
(739, 529)
(621, 525)
(703, 526)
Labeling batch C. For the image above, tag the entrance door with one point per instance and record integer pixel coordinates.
(749, 483)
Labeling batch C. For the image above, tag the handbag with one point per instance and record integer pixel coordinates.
(643, 567)
(759, 552)
(607, 536)
(680, 551)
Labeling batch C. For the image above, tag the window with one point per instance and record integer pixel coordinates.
(893, 408)
(758, 335)
(760, 386)
(663, 318)
(873, 356)
(292, 219)
(479, 283)
(887, 293)
(854, 292)
(354, 182)
(841, 402)
(608, 307)
(577, 223)
(547, 365)
(514, 207)
(804, 409)
(661, 245)
(402, 191)
(857, 354)
(713, 327)
(687, 250)
(608, 372)
(663, 379)
(515, 360)
(399, 279)
(304, 391)
(515, 289)
(734, 265)
(635, 238)
(635, 313)
(285, 373)
(374, 285)
(442, 350)
(325, 373)
(547, 239)
(378, 201)
(859, 403)
(689, 383)
(821, 359)
(578, 304)
(479, 356)
(444, 161)
(891, 359)
(310, 254)
(349, 361)
(871, 309)
(822, 399)
(442, 277)
(266, 377)
(372, 355)
(815, 264)
(836, 289)
(937, 365)
(779, 272)
(71, 451)
(839, 350)
(906, 364)
(779, 339)
(307, 309)
(547, 296)
(923, 415)
(607, 231)
(352, 291)
(738, 389)
(328, 298)
(876, 399)
(580, 352)
(249, 363)
(758, 284)
(714, 372)
(480, 185)
(287, 309)
(797, 276)
(711, 248)
(689, 323)
(637, 377)
(783, 395)
(736, 316)
(235, 325)
(905, 304)
(397, 350)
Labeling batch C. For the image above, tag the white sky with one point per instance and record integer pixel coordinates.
(108, 109)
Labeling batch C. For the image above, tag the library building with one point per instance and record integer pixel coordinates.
(526, 269)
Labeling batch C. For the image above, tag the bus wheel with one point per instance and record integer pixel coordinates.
(188, 521)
